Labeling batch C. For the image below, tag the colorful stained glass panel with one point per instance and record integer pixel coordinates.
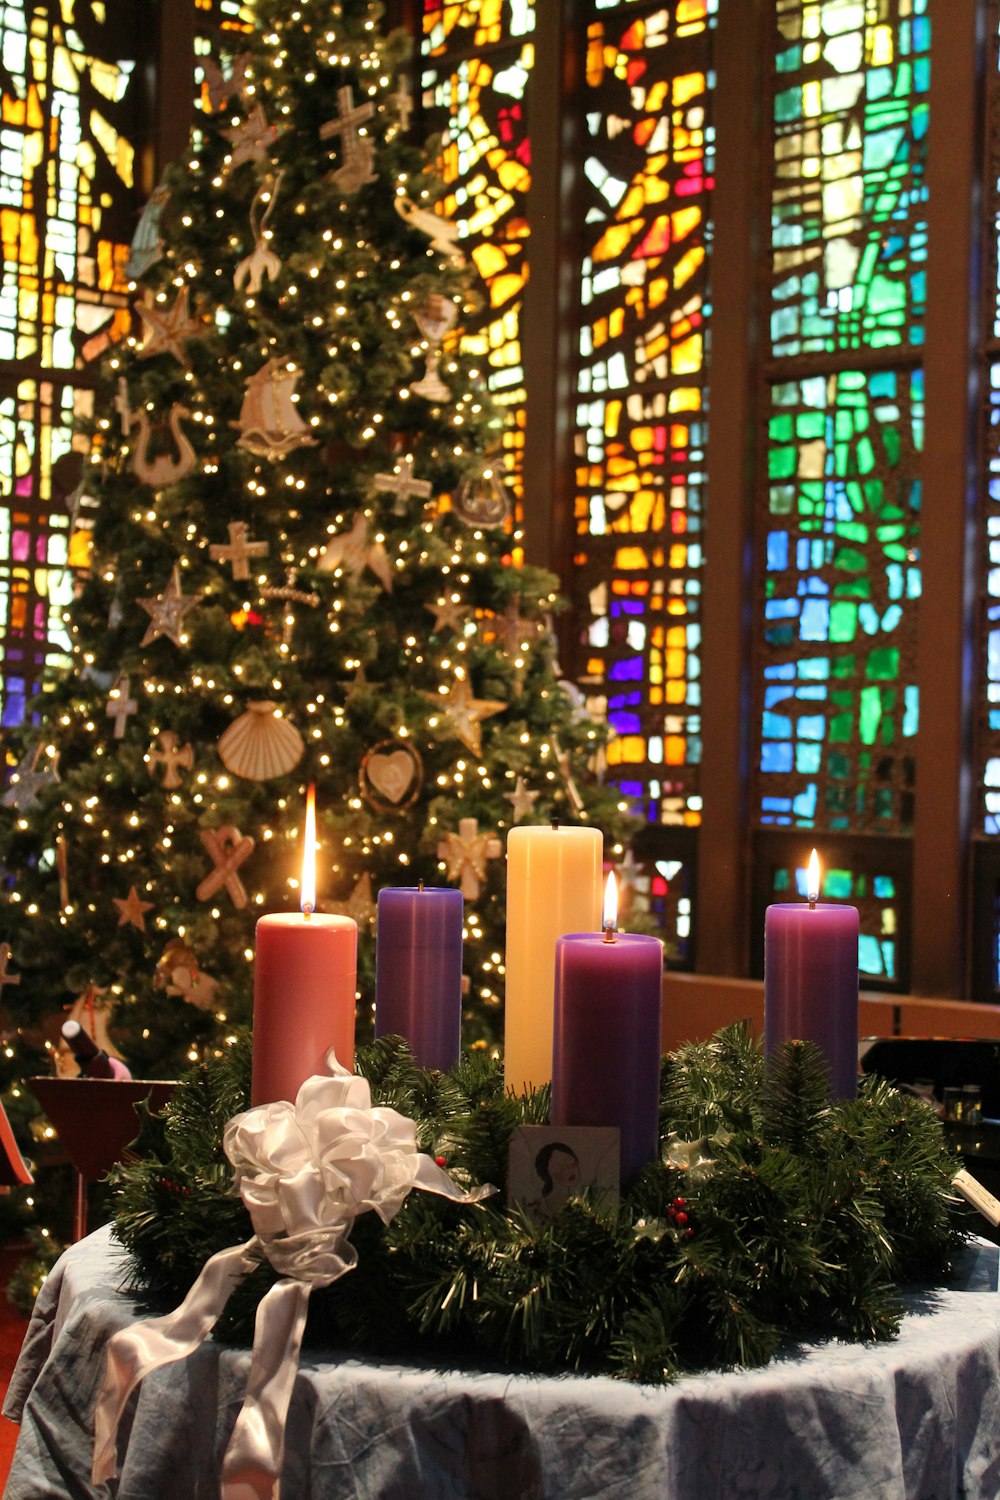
(849, 232)
(838, 696)
(641, 410)
(66, 216)
(989, 735)
(478, 104)
(474, 23)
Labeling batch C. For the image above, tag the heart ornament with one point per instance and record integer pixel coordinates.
(391, 776)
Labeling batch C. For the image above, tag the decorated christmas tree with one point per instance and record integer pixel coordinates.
(304, 569)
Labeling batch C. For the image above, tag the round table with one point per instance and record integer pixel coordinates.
(915, 1419)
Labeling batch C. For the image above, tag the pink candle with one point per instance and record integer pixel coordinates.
(606, 1040)
(418, 971)
(811, 981)
(305, 978)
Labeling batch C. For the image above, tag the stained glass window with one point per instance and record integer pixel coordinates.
(989, 736)
(988, 739)
(477, 101)
(642, 402)
(66, 218)
(849, 232)
(839, 691)
(641, 420)
(839, 495)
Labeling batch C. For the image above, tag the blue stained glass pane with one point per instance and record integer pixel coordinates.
(776, 757)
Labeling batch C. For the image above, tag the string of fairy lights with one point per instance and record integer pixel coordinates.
(370, 540)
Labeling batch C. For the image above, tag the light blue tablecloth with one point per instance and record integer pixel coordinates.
(917, 1419)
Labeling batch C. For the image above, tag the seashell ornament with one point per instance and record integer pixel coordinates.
(260, 744)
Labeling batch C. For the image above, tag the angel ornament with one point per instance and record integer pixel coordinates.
(434, 319)
(262, 261)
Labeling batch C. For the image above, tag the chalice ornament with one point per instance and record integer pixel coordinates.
(434, 318)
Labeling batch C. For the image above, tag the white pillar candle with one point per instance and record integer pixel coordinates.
(553, 887)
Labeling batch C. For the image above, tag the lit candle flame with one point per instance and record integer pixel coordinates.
(813, 878)
(308, 902)
(611, 903)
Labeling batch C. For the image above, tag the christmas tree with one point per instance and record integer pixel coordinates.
(304, 569)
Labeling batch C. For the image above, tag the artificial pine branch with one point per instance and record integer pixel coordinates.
(796, 1095)
(801, 1221)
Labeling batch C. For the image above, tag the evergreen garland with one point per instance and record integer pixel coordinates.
(775, 1214)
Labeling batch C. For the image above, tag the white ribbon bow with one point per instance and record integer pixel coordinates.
(305, 1172)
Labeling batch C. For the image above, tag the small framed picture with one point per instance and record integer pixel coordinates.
(549, 1163)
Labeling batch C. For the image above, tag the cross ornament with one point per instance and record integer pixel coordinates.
(171, 757)
(228, 849)
(238, 550)
(6, 978)
(403, 485)
(349, 115)
(403, 100)
(121, 706)
(465, 854)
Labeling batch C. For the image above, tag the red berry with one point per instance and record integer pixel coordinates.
(680, 1202)
(689, 1234)
(442, 1161)
(682, 1218)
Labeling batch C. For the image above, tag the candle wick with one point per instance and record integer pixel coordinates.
(420, 885)
(812, 903)
(307, 911)
(609, 932)
(555, 823)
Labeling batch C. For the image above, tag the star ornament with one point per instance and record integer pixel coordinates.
(360, 904)
(467, 713)
(521, 800)
(251, 139)
(28, 780)
(353, 552)
(168, 329)
(131, 911)
(166, 611)
(449, 614)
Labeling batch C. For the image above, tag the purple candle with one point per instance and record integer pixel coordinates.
(811, 981)
(418, 971)
(606, 1041)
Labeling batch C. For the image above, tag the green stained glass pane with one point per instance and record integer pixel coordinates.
(843, 622)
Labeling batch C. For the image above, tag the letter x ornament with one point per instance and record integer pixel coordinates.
(228, 849)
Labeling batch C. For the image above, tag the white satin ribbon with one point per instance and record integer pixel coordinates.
(305, 1172)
